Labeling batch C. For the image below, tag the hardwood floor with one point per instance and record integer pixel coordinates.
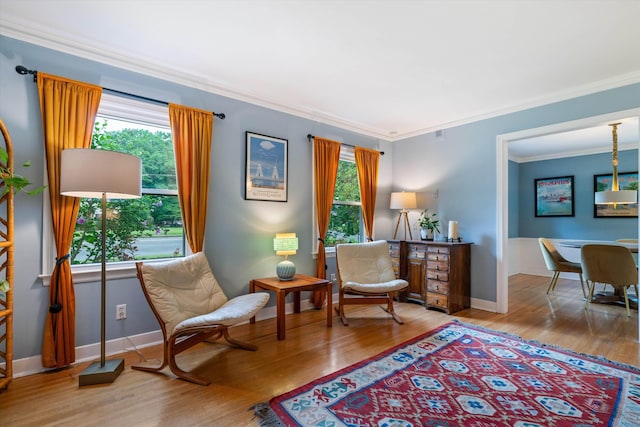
(242, 378)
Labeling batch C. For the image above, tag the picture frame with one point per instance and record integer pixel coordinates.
(554, 196)
(626, 181)
(266, 168)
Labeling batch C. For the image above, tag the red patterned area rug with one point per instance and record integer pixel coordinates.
(464, 375)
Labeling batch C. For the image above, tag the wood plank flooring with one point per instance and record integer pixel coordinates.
(241, 378)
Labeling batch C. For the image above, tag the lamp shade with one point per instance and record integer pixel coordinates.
(285, 244)
(403, 200)
(615, 197)
(90, 173)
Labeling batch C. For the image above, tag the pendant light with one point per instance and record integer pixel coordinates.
(615, 195)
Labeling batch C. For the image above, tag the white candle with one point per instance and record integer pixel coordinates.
(453, 229)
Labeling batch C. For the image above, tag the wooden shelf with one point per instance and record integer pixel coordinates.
(6, 270)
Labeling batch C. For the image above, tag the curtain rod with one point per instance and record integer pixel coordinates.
(21, 69)
(310, 137)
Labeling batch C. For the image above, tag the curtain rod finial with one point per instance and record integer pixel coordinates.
(22, 70)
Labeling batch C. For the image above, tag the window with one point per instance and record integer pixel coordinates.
(345, 223)
(146, 228)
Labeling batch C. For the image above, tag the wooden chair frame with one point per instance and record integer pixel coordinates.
(362, 298)
(183, 340)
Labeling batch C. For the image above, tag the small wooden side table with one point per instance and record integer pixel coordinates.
(282, 287)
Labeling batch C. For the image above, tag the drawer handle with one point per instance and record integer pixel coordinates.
(437, 288)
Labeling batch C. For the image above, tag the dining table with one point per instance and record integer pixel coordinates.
(606, 297)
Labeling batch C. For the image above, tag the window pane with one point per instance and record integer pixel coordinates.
(145, 228)
(344, 225)
(347, 189)
(152, 144)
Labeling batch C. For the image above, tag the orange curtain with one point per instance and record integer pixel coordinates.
(367, 165)
(191, 130)
(69, 111)
(326, 159)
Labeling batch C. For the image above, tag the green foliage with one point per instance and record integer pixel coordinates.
(13, 180)
(344, 223)
(429, 221)
(149, 216)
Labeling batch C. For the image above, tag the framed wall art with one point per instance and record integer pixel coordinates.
(626, 181)
(554, 196)
(266, 168)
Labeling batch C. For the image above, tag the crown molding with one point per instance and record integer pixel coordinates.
(27, 32)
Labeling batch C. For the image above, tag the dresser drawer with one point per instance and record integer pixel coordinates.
(396, 266)
(438, 286)
(438, 275)
(436, 266)
(438, 300)
(438, 249)
(416, 251)
(438, 257)
(394, 250)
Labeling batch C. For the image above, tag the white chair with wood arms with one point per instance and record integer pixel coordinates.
(366, 276)
(191, 307)
(612, 265)
(557, 263)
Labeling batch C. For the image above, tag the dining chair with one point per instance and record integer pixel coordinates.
(557, 263)
(612, 265)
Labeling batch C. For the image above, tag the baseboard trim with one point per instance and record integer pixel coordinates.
(33, 365)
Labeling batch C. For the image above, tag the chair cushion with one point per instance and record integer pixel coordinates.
(183, 288)
(236, 310)
(365, 262)
(376, 288)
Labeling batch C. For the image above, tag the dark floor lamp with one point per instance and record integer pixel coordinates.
(100, 174)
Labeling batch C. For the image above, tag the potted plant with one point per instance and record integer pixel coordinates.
(11, 181)
(428, 224)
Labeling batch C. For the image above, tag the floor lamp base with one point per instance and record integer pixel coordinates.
(96, 374)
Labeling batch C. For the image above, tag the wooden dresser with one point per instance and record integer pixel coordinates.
(439, 273)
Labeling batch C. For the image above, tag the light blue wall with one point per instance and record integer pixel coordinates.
(583, 225)
(462, 166)
(239, 233)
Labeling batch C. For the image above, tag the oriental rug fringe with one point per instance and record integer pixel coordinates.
(465, 375)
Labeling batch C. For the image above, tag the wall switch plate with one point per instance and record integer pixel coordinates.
(333, 277)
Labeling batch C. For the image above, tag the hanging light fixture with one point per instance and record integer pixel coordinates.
(615, 195)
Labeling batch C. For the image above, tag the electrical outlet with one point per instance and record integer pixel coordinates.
(333, 277)
(121, 311)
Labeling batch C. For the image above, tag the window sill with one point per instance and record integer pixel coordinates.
(92, 272)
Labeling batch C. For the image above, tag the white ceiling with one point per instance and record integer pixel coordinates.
(388, 69)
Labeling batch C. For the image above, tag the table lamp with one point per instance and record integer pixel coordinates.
(403, 201)
(100, 174)
(285, 244)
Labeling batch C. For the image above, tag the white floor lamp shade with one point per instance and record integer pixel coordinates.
(103, 175)
(403, 200)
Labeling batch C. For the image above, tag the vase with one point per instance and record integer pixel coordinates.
(426, 234)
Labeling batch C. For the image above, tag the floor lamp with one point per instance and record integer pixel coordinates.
(100, 174)
(403, 200)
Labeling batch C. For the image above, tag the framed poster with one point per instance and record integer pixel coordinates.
(266, 168)
(626, 181)
(554, 196)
